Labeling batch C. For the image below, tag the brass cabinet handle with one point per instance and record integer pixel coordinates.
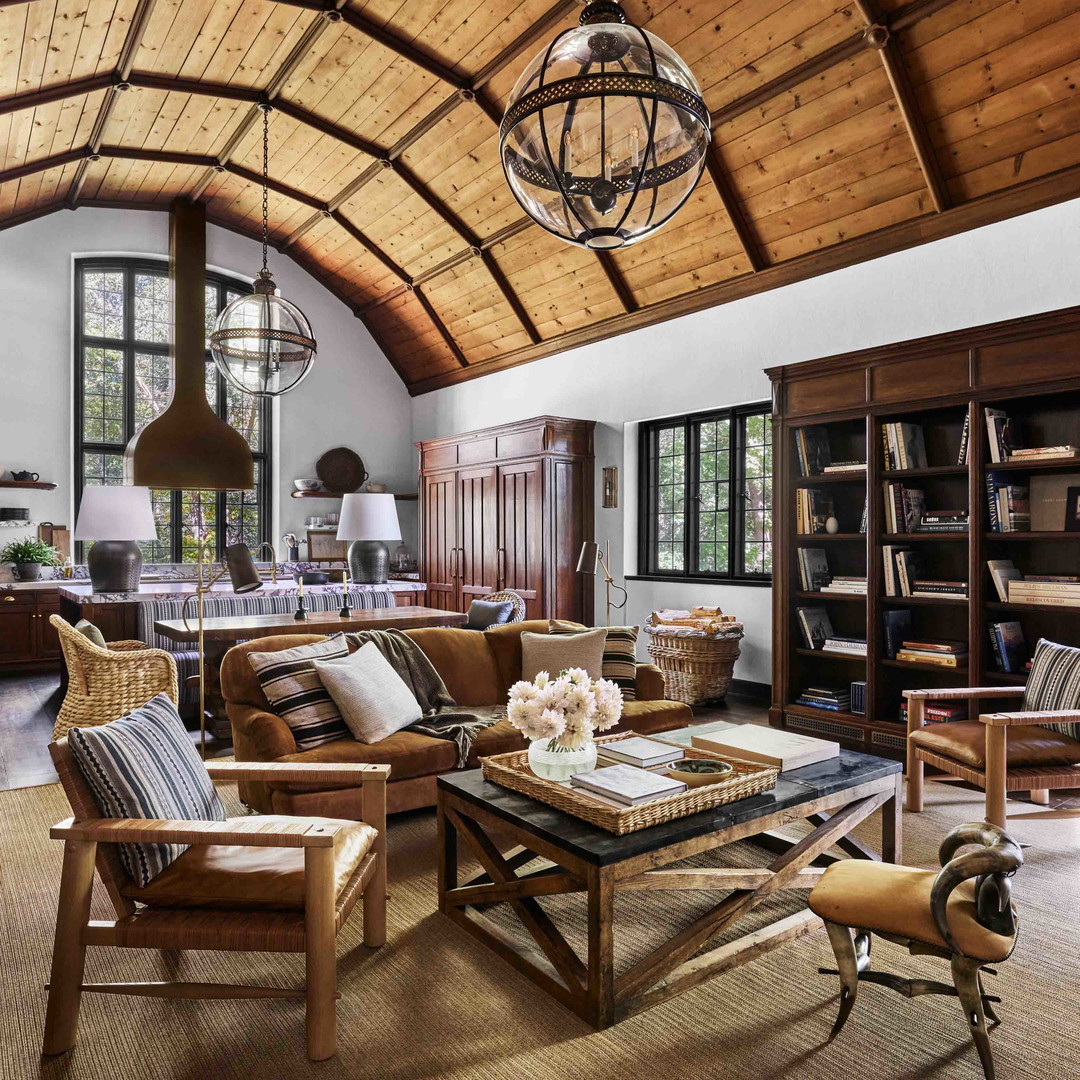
(501, 582)
(9, 599)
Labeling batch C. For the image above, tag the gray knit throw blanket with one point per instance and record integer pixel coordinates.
(442, 719)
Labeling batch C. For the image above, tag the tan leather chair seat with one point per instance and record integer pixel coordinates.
(242, 878)
(1026, 744)
(896, 900)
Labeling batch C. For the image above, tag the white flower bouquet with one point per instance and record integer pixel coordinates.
(565, 711)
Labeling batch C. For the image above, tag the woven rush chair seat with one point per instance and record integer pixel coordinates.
(105, 684)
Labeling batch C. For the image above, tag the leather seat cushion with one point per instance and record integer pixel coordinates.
(464, 660)
(408, 753)
(1025, 744)
(248, 878)
(896, 899)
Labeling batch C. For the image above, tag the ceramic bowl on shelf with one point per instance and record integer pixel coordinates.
(696, 772)
(306, 485)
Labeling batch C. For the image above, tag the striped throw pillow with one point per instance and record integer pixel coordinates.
(293, 687)
(620, 654)
(1054, 683)
(144, 765)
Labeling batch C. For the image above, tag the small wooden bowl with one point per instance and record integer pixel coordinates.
(697, 772)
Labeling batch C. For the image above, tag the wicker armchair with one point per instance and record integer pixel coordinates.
(105, 684)
(518, 614)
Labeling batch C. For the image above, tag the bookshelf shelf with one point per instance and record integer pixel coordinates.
(922, 402)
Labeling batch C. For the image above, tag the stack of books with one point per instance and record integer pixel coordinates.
(626, 785)
(1044, 453)
(951, 654)
(939, 712)
(928, 587)
(845, 467)
(1007, 643)
(904, 446)
(833, 698)
(639, 751)
(847, 583)
(813, 509)
(1063, 591)
(1008, 503)
(858, 698)
(844, 646)
(1001, 435)
(943, 521)
(812, 450)
(813, 569)
(815, 626)
(904, 508)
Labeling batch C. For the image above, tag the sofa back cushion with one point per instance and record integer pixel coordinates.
(620, 654)
(505, 645)
(239, 683)
(144, 765)
(465, 661)
(559, 652)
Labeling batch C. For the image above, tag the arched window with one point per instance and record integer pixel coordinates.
(123, 380)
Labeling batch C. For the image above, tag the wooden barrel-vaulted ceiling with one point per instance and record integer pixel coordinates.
(841, 131)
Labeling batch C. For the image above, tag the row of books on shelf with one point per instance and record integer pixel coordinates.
(903, 573)
(1008, 504)
(814, 509)
(814, 575)
(937, 712)
(1006, 442)
(1048, 503)
(904, 446)
(1053, 590)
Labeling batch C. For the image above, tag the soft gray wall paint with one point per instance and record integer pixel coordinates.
(715, 357)
(352, 397)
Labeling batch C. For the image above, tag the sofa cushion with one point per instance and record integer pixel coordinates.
(485, 613)
(896, 900)
(1025, 744)
(296, 693)
(239, 683)
(1054, 683)
(408, 753)
(558, 652)
(144, 765)
(620, 654)
(234, 878)
(502, 738)
(505, 644)
(464, 660)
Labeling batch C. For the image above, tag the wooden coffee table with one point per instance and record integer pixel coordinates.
(834, 796)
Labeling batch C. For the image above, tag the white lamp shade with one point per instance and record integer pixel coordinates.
(368, 517)
(115, 513)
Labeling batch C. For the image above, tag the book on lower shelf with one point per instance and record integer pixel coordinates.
(813, 509)
(1008, 504)
(897, 623)
(904, 446)
(858, 697)
(936, 651)
(627, 785)
(933, 587)
(844, 646)
(902, 568)
(844, 467)
(812, 450)
(1007, 646)
(938, 712)
(1002, 572)
(1055, 503)
(904, 507)
(815, 626)
(830, 698)
(850, 584)
(768, 746)
(813, 569)
(1035, 454)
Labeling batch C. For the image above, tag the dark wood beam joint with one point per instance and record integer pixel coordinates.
(617, 281)
(511, 297)
(742, 225)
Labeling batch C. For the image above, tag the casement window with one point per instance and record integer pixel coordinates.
(123, 380)
(706, 496)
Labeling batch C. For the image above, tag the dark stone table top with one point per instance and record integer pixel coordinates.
(594, 845)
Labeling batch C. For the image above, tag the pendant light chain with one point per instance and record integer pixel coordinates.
(265, 187)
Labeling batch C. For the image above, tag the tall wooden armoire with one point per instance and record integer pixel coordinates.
(508, 508)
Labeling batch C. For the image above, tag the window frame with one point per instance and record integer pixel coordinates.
(648, 513)
(129, 346)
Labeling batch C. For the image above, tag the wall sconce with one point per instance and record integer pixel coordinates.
(611, 487)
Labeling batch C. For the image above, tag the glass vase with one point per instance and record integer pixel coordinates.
(552, 762)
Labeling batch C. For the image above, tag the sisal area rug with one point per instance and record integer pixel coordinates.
(433, 1003)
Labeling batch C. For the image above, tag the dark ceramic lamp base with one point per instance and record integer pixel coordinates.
(115, 566)
(369, 562)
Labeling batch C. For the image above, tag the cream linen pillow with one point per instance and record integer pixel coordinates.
(554, 652)
(371, 696)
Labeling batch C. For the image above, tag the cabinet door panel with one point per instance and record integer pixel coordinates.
(17, 632)
(478, 533)
(439, 541)
(521, 533)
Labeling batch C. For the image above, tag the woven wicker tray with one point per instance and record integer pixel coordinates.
(750, 778)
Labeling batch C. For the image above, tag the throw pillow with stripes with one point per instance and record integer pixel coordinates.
(1054, 683)
(620, 653)
(296, 693)
(144, 765)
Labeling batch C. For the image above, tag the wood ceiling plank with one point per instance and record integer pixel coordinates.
(572, 320)
(714, 272)
(718, 250)
(63, 45)
(35, 46)
(1045, 160)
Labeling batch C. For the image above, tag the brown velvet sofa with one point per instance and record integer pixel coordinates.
(478, 669)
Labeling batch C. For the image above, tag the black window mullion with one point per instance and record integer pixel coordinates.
(737, 476)
(692, 514)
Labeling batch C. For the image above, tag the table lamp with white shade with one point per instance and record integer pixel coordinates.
(115, 517)
(368, 520)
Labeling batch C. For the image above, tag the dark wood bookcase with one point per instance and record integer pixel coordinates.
(1028, 367)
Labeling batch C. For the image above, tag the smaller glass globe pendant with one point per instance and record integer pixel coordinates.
(261, 342)
(606, 133)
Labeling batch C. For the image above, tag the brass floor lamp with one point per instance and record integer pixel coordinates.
(593, 555)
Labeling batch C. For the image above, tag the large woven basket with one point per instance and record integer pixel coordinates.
(696, 669)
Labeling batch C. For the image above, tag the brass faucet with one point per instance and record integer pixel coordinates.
(273, 559)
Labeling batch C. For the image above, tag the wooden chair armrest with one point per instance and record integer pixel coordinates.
(1058, 716)
(346, 774)
(960, 692)
(246, 832)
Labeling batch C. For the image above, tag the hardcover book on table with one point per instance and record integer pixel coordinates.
(640, 751)
(768, 745)
(627, 784)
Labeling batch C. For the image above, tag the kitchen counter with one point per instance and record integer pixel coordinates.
(83, 593)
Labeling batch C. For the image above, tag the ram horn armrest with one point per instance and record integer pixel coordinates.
(243, 832)
(346, 774)
(1058, 716)
(960, 692)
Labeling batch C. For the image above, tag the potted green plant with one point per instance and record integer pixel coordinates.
(29, 556)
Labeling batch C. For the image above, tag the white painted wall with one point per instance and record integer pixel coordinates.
(352, 397)
(715, 358)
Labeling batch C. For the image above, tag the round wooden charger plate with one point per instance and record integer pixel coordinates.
(341, 470)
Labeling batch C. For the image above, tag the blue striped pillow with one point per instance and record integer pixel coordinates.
(145, 766)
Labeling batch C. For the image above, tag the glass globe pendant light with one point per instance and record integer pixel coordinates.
(606, 132)
(261, 342)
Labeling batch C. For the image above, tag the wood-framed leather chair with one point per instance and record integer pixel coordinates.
(999, 752)
(963, 913)
(252, 884)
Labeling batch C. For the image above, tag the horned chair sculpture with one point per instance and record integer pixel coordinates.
(969, 923)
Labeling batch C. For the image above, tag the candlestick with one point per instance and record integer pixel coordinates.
(345, 611)
(300, 614)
